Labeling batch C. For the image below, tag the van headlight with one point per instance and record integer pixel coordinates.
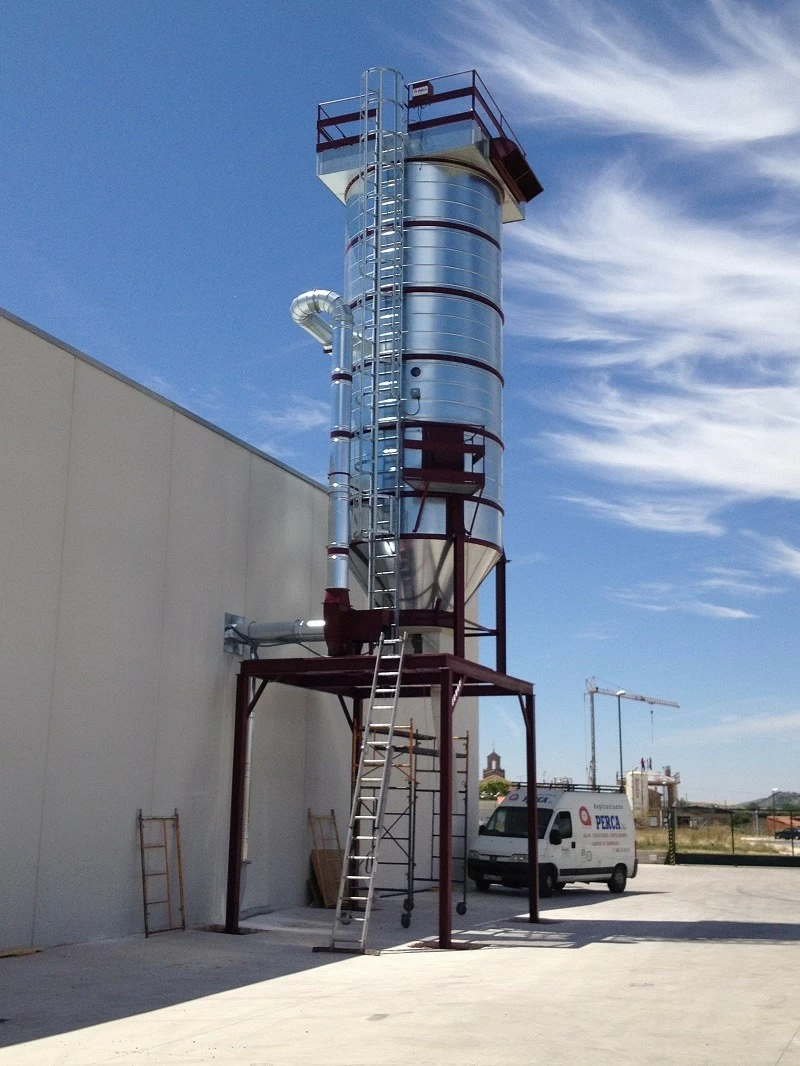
(473, 854)
(519, 857)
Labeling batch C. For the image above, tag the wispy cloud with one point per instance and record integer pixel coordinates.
(288, 422)
(735, 729)
(593, 634)
(679, 307)
(740, 442)
(661, 597)
(665, 516)
(780, 557)
(295, 414)
(731, 584)
(722, 74)
(649, 283)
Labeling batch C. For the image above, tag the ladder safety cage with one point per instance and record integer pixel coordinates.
(378, 314)
(360, 863)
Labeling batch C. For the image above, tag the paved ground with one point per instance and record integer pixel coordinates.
(692, 965)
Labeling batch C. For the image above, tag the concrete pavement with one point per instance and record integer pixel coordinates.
(691, 965)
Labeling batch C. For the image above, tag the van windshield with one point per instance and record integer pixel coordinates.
(513, 822)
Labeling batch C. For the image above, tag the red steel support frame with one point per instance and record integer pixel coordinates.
(529, 714)
(500, 613)
(236, 838)
(352, 676)
(445, 808)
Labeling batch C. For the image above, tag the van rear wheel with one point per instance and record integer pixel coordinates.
(618, 880)
(547, 882)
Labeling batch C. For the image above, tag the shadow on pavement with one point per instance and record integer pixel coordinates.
(78, 985)
(566, 933)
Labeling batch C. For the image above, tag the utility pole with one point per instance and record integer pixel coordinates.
(592, 688)
(593, 759)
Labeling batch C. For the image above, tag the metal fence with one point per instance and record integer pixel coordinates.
(725, 835)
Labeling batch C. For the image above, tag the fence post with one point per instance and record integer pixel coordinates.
(671, 820)
(733, 838)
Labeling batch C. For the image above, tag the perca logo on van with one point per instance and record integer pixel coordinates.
(607, 821)
(585, 817)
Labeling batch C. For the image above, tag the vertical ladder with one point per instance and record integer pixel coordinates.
(357, 882)
(154, 847)
(380, 314)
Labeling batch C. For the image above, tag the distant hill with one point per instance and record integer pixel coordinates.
(783, 801)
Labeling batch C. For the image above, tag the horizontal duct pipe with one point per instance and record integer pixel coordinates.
(300, 631)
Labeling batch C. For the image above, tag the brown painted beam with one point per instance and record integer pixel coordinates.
(500, 613)
(236, 837)
(445, 807)
(529, 714)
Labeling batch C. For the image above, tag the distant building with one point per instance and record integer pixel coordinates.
(651, 794)
(493, 771)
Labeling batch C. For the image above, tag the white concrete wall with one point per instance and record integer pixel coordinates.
(127, 530)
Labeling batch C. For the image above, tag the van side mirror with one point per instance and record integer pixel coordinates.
(481, 830)
(555, 836)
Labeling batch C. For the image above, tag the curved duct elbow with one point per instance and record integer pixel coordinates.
(307, 308)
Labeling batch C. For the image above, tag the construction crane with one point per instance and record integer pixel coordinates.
(593, 689)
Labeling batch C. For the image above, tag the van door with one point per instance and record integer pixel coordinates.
(568, 859)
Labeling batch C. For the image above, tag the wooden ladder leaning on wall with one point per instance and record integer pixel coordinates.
(158, 837)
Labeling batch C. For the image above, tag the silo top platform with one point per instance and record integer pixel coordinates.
(453, 119)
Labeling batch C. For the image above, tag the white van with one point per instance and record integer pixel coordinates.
(584, 834)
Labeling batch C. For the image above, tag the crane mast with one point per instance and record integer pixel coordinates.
(593, 689)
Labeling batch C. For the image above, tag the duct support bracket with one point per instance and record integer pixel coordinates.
(230, 643)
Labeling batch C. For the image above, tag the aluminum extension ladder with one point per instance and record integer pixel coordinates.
(357, 882)
(380, 309)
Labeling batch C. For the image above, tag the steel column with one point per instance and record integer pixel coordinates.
(500, 613)
(236, 838)
(455, 524)
(529, 714)
(445, 807)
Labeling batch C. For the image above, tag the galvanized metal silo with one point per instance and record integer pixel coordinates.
(429, 173)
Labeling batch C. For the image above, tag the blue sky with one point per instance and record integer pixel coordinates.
(160, 211)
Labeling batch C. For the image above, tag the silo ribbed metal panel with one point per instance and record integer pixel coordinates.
(452, 359)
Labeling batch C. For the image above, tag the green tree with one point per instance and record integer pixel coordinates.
(494, 787)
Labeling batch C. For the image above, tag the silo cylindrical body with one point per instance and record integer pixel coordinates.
(452, 371)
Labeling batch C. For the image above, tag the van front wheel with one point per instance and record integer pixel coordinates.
(481, 884)
(547, 882)
(618, 880)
